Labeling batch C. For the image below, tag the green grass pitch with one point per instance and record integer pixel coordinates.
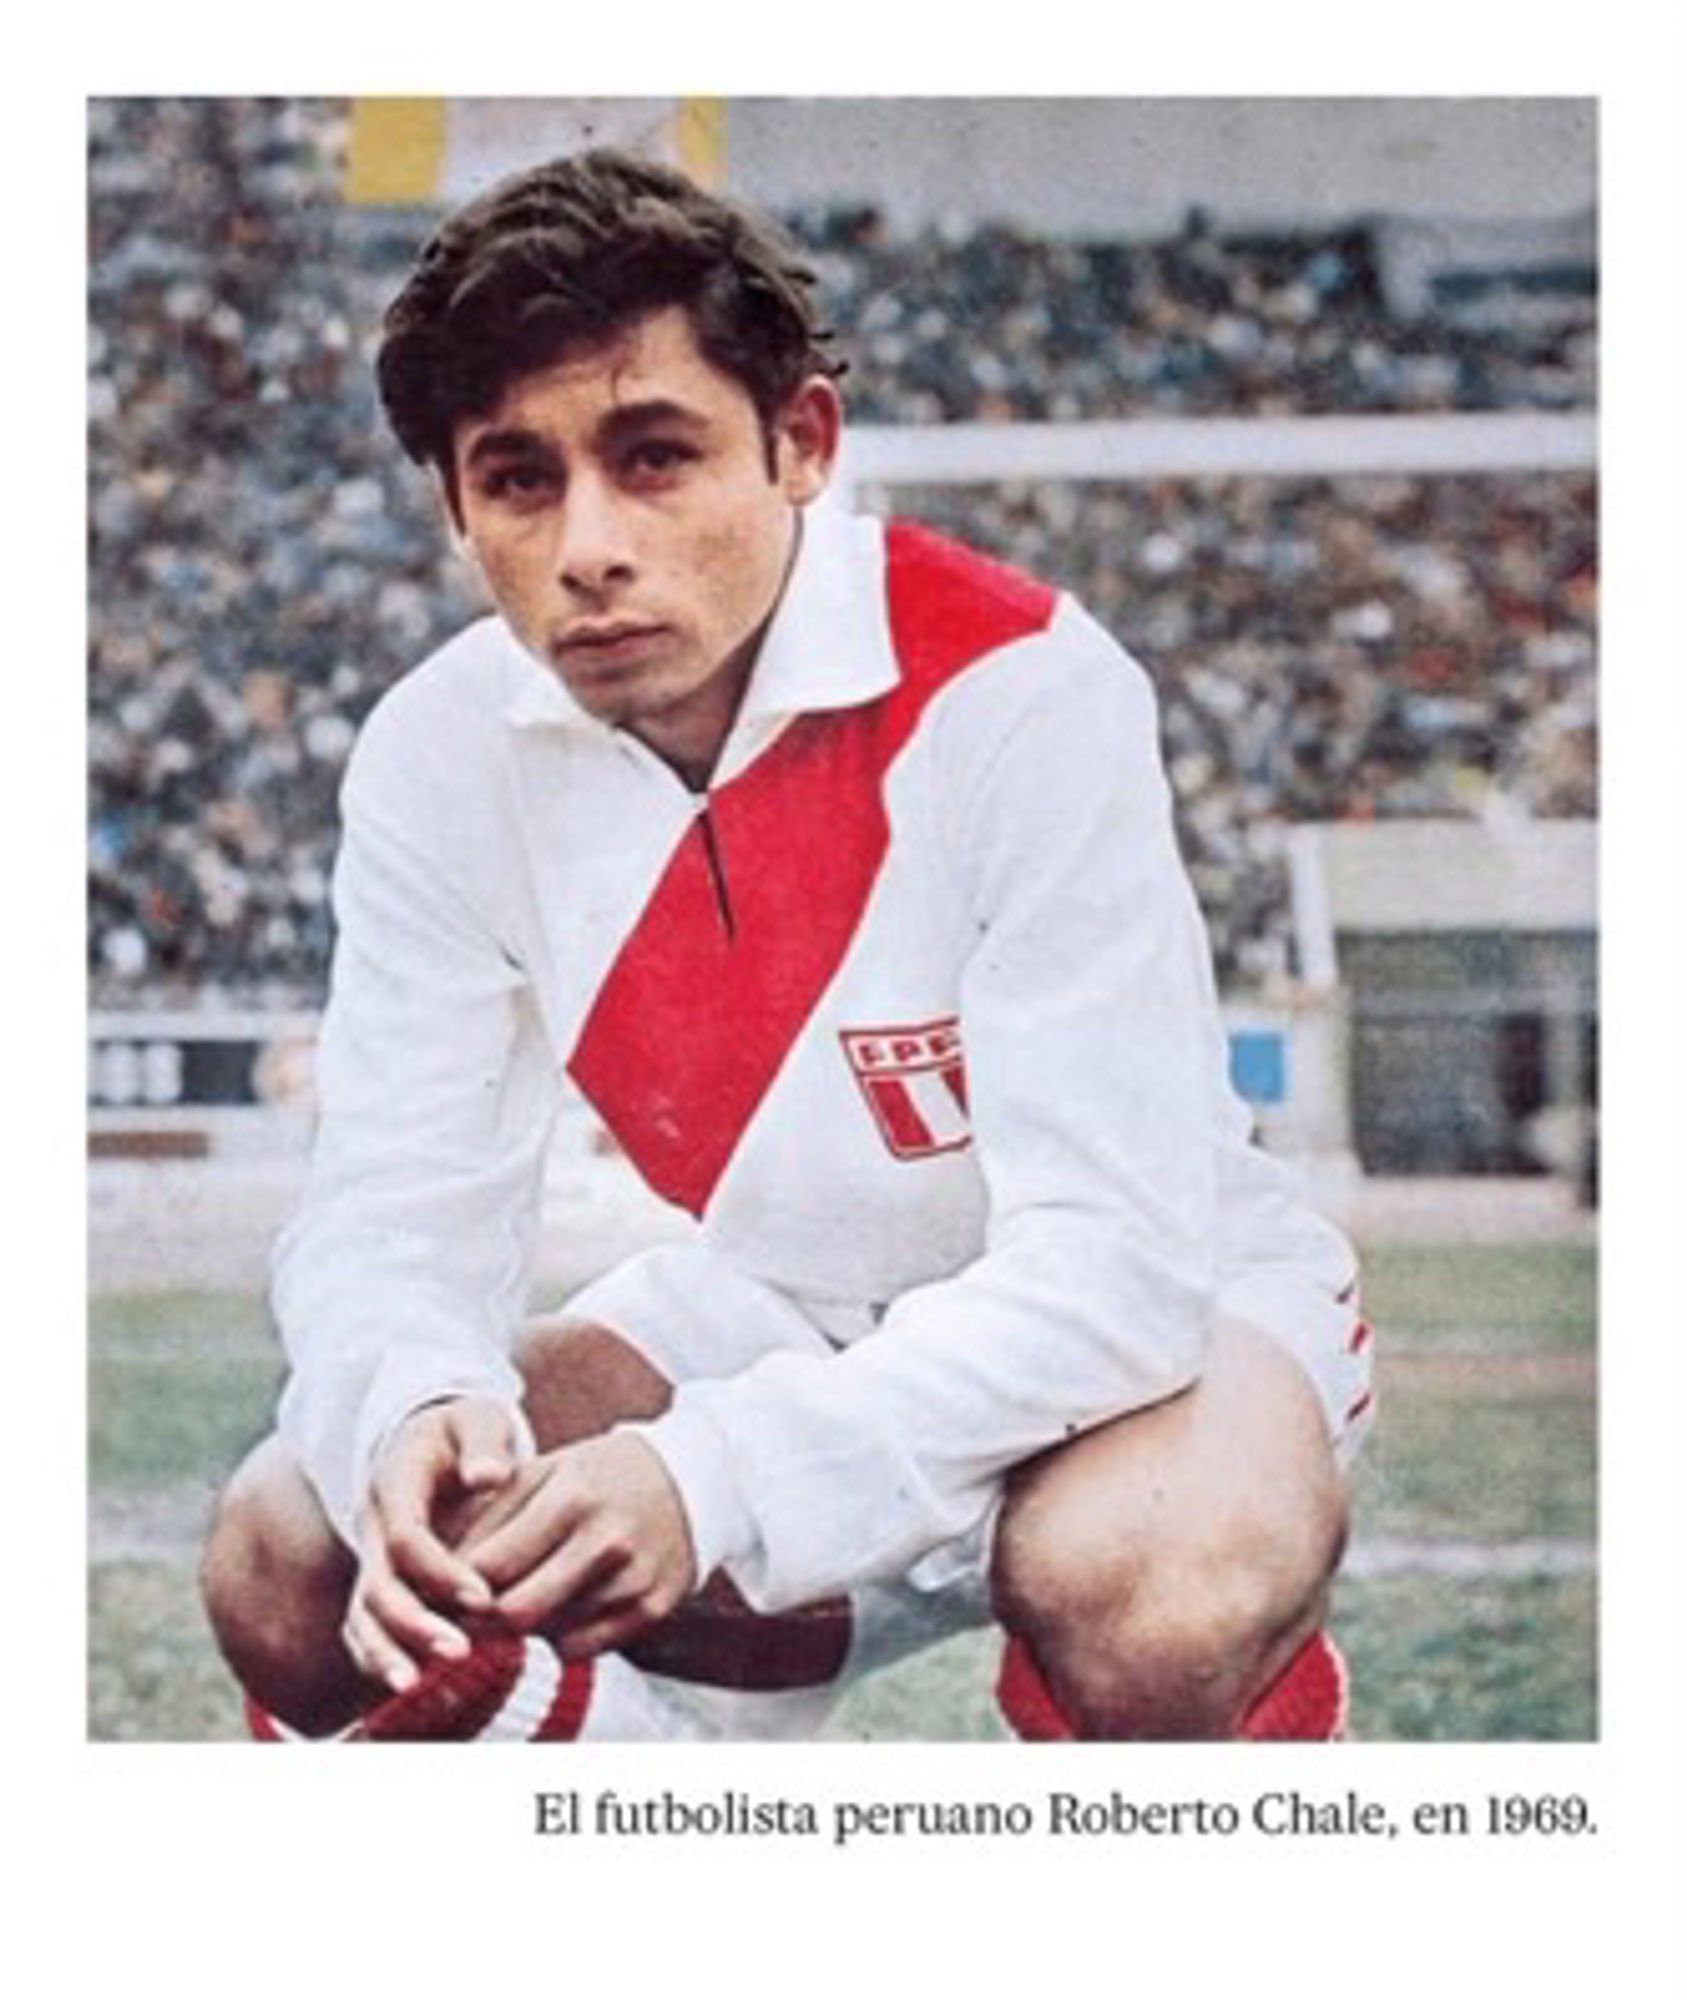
(1467, 1607)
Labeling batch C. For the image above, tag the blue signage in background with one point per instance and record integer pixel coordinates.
(1259, 1064)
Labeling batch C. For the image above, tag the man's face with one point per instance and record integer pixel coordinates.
(622, 510)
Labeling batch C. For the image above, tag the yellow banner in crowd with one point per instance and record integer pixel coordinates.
(406, 150)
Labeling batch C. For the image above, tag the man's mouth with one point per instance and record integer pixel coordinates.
(620, 644)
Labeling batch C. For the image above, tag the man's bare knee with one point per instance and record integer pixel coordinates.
(275, 1579)
(580, 1379)
(1203, 1637)
(1163, 1569)
(267, 1525)
(1173, 1641)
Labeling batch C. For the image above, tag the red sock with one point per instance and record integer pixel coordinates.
(1024, 1699)
(1307, 1702)
(508, 1689)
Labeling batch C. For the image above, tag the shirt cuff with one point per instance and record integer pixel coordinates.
(695, 1453)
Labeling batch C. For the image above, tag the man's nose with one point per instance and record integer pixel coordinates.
(594, 542)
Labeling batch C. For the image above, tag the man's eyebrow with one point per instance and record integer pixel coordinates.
(653, 410)
(504, 444)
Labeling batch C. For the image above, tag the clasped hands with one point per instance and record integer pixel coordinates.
(460, 1535)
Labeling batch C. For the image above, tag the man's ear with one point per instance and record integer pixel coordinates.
(807, 431)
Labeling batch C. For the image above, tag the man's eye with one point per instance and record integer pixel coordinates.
(515, 482)
(659, 455)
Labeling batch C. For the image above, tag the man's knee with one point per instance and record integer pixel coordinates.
(580, 1379)
(1174, 1641)
(275, 1580)
(266, 1527)
(1161, 1588)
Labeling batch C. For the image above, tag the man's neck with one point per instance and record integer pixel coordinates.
(690, 738)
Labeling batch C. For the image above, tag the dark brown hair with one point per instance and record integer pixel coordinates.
(568, 254)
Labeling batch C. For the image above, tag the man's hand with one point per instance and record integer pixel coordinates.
(442, 1458)
(591, 1542)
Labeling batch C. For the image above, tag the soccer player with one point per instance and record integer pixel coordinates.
(834, 865)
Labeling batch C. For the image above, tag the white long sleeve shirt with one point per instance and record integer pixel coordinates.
(913, 1010)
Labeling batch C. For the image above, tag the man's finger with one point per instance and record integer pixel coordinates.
(601, 1634)
(583, 1562)
(483, 1514)
(383, 1597)
(376, 1655)
(406, 1489)
(404, 1618)
(419, 1557)
(544, 1517)
(485, 1441)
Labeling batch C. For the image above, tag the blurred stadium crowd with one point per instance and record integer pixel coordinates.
(263, 564)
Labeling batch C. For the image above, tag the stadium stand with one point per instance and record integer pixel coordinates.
(263, 564)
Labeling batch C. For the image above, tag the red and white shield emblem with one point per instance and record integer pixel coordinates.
(914, 1081)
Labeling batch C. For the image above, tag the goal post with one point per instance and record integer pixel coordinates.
(974, 454)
